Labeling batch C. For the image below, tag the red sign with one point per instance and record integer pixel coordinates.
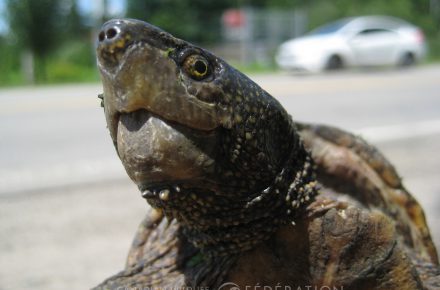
(233, 18)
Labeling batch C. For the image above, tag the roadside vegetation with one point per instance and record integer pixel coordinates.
(52, 41)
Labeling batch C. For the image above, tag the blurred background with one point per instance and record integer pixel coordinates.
(68, 211)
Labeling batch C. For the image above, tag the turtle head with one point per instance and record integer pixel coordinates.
(178, 114)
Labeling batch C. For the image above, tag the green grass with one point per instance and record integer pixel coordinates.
(73, 62)
(67, 72)
(255, 68)
(56, 73)
(11, 78)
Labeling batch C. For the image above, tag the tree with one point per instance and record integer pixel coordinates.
(194, 20)
(34, 25)
(73, 22)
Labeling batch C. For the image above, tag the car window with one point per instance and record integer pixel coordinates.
(330, 28)
(372, 31)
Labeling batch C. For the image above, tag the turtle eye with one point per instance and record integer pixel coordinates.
(197, 67)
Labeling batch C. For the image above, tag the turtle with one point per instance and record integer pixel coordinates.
(240, 195)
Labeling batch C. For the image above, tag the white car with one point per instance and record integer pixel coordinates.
(357, 41)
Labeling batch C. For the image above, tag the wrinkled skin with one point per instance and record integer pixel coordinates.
(234, 182)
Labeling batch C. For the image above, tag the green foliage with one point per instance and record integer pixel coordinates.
(9, 64)
(76, 51)
(434, 49)
(65, 72)
(61, 41)
(34, 23)
(72, 62)
(44, 27)
(194, 20)
(34, 27)
(71, 24)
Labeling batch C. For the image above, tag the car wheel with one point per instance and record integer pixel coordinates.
(407, 59)
(334, 63)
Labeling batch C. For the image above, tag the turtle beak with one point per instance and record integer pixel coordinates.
(161, 132)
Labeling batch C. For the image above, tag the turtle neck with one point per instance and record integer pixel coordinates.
(221, 223)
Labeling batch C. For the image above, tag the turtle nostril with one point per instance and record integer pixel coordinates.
(111, 33)
(101, 36)
(112, 41)
(108, 34)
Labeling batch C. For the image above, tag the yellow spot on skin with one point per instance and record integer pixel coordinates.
(168, 51)
(120, 43)
(248, 136)
(238, 118)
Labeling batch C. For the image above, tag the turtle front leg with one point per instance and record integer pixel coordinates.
(357, 249)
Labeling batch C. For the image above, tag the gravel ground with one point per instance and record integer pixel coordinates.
(70, 238)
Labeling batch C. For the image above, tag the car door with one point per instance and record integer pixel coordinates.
(374, 46)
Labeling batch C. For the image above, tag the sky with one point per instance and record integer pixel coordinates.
(2, 17)
(87, 7)
(115, 7)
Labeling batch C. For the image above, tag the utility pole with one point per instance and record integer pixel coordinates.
(434, 10)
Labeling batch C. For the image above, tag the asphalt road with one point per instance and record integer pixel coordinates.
(68, 211)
